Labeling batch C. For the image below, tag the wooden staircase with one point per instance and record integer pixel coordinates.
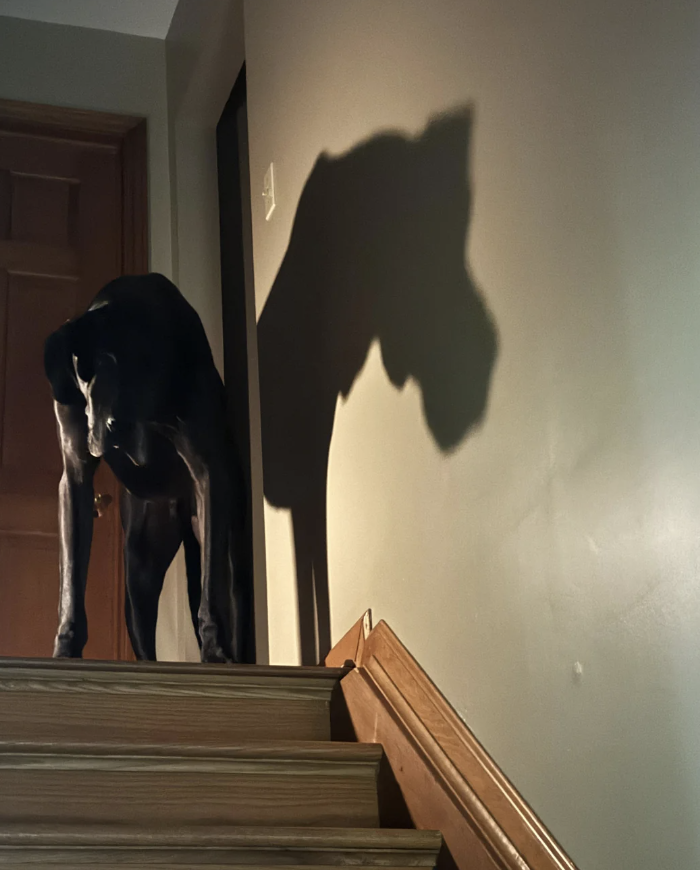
(116, 765)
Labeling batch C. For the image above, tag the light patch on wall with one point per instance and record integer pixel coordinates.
(281, 584)
(364, 448)
(269, 191)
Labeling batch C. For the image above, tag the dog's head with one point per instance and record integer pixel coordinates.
(82, 369)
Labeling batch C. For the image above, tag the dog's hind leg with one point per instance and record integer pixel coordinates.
(193, 561)
(152, 536)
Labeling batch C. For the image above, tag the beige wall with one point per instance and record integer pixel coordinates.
(564, 528)
(204, 52)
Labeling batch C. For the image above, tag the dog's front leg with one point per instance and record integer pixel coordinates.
(212, 490)
(214, 519)
(75, 518)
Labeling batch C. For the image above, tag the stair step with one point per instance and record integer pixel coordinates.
(111, 848)
(147, 702)
(281, 783)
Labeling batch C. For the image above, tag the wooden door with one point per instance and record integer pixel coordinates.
(64, 211)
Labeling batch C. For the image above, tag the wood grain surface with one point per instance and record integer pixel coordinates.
(147, 703)
(251, 784)
(448, 781)
(110, 846)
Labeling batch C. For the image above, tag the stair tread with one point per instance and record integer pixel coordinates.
(172, 668)
(295, 750)
(217, 836)
(69, 667)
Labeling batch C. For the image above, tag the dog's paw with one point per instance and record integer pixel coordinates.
(214, 654)
(212, 650)
(69, 645)
(67, 651)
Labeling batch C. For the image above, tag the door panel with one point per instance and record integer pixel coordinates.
(32, 308)
(44, 210)
(30, 560)
(60, 241)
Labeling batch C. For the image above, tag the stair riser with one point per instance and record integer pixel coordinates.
(239, 797)
(202, 847)
(140, 718)
(96, 861)
(164, 860)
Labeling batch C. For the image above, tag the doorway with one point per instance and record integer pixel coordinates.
(73, 215)
(239, 329)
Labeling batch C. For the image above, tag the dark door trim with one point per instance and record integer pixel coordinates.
(238, 311)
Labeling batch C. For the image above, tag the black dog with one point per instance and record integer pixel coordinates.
(134, 383)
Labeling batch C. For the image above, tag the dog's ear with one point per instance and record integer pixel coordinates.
(58, 364)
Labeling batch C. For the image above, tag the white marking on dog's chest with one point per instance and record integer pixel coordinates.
(86, 390)
(84, 385)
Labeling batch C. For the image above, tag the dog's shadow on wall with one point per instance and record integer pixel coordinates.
(377, 251)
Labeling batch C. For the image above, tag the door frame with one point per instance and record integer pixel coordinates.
(240, 337)
(128, 133)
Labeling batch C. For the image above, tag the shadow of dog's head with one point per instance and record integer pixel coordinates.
(377, 252)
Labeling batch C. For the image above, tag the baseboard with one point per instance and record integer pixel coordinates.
(448, 781)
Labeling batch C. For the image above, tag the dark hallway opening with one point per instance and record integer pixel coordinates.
(234, 212)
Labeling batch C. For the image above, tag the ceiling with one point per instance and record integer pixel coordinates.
(139, 17)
